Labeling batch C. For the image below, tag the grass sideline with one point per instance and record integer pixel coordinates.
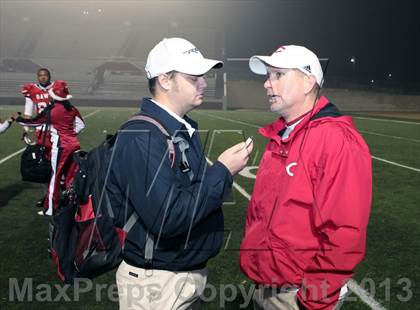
(393, 234)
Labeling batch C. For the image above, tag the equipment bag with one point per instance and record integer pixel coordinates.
(85, 238)
(34, 167)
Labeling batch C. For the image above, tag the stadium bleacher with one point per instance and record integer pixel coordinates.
(95, 67)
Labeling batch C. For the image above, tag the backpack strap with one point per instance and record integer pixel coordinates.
(169, 139)
(185, 167)
(130, 223)
(46, 127)
(183, 147)
(148, 249)
(182, 143)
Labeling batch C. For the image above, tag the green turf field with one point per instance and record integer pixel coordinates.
(390, 272)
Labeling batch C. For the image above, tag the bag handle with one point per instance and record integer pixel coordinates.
(45, 128)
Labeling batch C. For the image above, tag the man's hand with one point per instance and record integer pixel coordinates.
(14, 116)
(236, 157)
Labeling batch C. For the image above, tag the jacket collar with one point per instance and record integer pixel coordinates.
(272, 130)
(39, 86)
(171, 124)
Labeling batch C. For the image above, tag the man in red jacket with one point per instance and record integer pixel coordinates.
(306, 232)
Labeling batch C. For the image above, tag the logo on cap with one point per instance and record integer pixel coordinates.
(307, 68)
(280, 49)
(193, 50)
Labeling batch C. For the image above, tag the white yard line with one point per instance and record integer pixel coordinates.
(256, 126)
(91, 113)
(364, 295)
(388, 136)
(352, 285)
(395, 164)
(239, 188)
(386, 120)
(3, 160)
(12, 155)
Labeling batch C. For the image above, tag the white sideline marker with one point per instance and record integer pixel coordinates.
(395, 164)
(386, 120)
(3, 160)
(364, 295)
(256, 126)
(389, 136)
(91, 113)
(12, 155)
(239, 188)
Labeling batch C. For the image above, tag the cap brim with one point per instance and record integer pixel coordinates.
(199, 67)
(258, 64)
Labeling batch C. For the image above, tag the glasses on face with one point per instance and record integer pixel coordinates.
(276, 75)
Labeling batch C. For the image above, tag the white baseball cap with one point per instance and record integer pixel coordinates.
(289, 57)
(176, 54)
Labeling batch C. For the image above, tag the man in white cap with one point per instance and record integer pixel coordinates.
(177, 199)
(306, 223)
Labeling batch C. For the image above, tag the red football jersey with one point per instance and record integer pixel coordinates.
(38, 95)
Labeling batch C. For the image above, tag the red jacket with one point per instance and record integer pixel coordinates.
(65, 124)
(307, 218)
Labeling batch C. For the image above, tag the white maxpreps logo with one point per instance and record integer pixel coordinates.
(289, 169)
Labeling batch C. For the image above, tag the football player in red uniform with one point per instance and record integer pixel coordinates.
(65, 122)
(36, 100)
(36, 94)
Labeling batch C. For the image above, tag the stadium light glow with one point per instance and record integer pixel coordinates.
(353, 60)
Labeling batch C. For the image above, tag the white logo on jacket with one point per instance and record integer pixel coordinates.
(289, 169)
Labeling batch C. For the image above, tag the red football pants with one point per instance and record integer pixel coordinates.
(63, 167)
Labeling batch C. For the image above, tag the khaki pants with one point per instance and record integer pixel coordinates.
(141, 289)
(267, 298)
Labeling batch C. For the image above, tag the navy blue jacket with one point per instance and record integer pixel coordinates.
(184, 216)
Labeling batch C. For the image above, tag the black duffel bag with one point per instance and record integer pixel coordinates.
(34, 167)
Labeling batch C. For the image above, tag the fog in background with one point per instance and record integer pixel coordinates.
(101, 46)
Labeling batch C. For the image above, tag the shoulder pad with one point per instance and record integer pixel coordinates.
(26, 89)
